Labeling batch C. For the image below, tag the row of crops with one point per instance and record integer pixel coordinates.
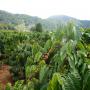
(58, 60)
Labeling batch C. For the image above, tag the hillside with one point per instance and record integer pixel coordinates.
(50, 23)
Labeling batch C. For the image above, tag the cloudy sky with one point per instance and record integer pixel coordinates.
(44, 8)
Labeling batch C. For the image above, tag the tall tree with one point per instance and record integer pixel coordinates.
(39, 27)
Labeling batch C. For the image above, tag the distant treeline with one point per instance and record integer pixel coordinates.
(4, 26)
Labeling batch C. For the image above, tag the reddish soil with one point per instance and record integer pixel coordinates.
(5, 76)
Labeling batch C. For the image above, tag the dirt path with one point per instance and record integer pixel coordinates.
(5, 76)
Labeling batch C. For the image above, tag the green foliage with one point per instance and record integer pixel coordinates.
(40, 61)
(4, 26)
(38, 27)
(56, 82)
(16, 47)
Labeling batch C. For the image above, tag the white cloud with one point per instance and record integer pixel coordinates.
(45, 8)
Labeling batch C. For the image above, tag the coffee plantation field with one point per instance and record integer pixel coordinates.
(57, 60)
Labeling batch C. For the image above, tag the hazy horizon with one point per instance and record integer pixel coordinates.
(78, 9)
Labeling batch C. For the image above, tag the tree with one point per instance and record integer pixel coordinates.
(38, 27)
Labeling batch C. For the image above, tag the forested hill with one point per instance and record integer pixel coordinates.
(50, 23)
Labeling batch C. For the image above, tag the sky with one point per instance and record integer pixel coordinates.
(79, 9)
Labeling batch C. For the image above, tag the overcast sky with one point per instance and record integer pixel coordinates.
(44, 8)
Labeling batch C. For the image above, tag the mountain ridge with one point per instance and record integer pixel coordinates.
(49, 23)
